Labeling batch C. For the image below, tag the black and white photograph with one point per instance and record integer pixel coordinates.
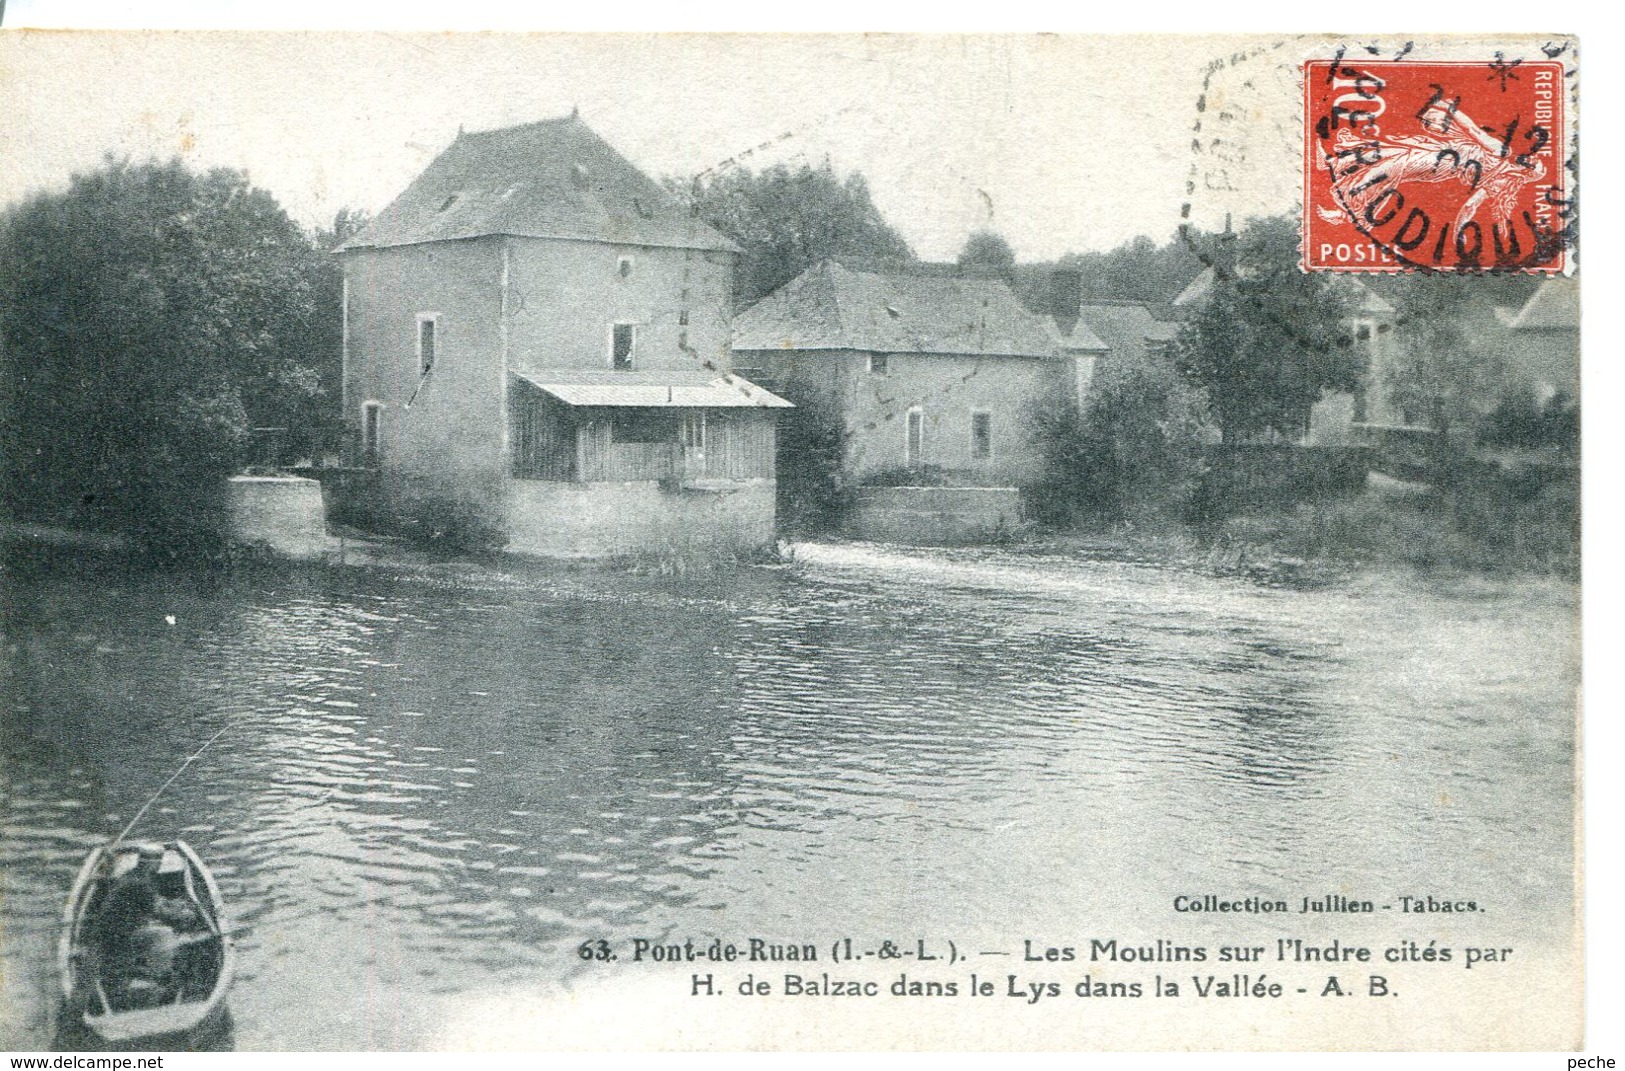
(699, 541)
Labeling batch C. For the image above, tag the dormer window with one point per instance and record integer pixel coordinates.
(623, 267)
(877, 364)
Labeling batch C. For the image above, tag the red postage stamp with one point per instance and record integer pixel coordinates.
(1435, 166)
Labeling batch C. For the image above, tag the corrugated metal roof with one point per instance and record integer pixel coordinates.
(652, 390)
(553, 179)
(831, 307)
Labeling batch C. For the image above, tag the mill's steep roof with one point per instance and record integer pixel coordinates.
(552, 179)
(831, 307)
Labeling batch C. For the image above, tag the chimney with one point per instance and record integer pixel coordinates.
(1066, 294)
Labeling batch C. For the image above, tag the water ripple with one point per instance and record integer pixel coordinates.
(453, 776)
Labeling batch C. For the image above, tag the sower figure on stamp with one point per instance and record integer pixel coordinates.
(1452, 147)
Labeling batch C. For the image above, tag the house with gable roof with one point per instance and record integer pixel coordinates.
(1132, 334)
(931, 372)
(934, 375)
(536, 334)
(1544, 339)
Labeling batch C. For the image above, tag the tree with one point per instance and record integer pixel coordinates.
(812, 496)
(786, 221)
(1132, 450)
(347, 223)
(150, 317)
(1142, 270)
(1437, 374)
(1138, 270)
(1269, 340)
(987, 252)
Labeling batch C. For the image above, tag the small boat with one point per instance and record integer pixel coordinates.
(166, 974)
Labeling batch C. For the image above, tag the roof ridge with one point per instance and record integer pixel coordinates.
(552, 178)
(559, 119)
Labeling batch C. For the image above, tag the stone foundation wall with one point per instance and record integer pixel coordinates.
(284, 514)
(934, 516)
(601, 520)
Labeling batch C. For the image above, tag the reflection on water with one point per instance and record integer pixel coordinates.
(441, 780)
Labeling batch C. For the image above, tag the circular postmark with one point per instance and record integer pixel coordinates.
(1439, 166)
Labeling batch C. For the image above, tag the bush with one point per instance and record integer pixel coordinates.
(1238, 478)
(1521, 421)
(812, 494)
(1493, 524)
(913, 476)
(1133, 453)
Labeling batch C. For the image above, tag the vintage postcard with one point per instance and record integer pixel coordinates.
(968, 542)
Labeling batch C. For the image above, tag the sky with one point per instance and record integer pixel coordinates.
(1060, 143)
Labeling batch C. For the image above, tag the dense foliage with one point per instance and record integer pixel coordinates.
(987, 253)
(1132, 452)
(1521, 420)
(1269, 340)
(1143, 270)
(152, 317)
(1438, 375)
(787, 220)
(812, 442)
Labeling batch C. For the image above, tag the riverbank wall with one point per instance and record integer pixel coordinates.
(282, 515)
(934, 516)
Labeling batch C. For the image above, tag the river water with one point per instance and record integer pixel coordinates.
(438, 780)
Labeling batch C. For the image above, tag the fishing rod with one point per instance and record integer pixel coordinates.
(154, 797)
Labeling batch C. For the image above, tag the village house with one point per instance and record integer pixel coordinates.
(1131, 333)
(1543, 340)
(1522, 336)
(537, 336)
(1079, 344)
(934, 377)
